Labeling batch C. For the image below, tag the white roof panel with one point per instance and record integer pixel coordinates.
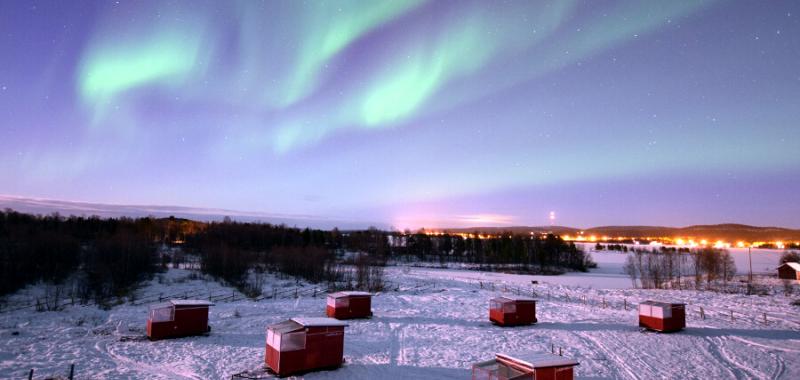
(517, 298)
(349, 293)
(536, 359)
(191, 303)
(660, 304)
(318, 321)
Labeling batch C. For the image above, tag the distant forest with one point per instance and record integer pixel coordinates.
(104, 259)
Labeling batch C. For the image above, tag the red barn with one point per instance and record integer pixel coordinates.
(525, 366)
(347, 305)
(512, 310)
(661, 316)
(305, 344)
(789, 271)
(178, 318)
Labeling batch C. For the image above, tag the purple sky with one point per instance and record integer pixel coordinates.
(409, 114)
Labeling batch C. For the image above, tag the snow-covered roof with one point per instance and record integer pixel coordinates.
(349, 293)
(793, 265)
(319, 321)
(191, 303)
(517, 298)
(160, 305)
(284, 327)
(536, 359)
(660, 304)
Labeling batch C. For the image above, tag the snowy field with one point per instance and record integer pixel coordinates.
(432, 324)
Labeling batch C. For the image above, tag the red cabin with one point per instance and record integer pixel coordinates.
(178, 318)
(347, 305)
(512, 310)
(305, 344)
(525, 366)
(662, 316)
(789, 271)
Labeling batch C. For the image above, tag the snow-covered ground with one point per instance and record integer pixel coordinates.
(432, 324)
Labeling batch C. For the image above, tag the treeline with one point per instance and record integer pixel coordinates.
(658, 269)
(547, 253)
(106, 258)
(624, 248)
(241, 253)
(103, 258)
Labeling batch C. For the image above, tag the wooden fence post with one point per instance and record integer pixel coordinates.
(30, 374)
(765, 318)
(731, 315)
(702, 313)
(625, 303)
(71, 371)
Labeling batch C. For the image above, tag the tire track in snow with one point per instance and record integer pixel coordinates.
(735, 370)
(103, 347)
(617, 360)
(780, 363)
(594, 349)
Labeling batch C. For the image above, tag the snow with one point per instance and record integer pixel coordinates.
(429, 324)
(319, 321)
(765, 261)
(535, 359)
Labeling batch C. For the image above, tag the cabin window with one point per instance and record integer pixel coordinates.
(645, 310)
(331, 302)
(162, 314)
(510, 308)
(293, 341)
(494, 305)
(342, 302)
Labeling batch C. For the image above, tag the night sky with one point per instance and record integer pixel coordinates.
(409, 114)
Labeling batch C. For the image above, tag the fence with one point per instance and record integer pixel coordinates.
(695, 311)
(69, 376)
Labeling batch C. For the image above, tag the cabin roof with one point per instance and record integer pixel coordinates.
(793, 265)
(191, 303)
(660, 304)
(285, 327)
(349, 293)
(517, 298)
(536, 359)
(318, 321)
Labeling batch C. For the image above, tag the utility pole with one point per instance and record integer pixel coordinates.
(750, 259)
